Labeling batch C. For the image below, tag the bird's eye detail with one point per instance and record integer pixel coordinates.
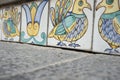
(109, 2)
(80, 3)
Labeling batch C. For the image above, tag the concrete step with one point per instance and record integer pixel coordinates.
(28, 62)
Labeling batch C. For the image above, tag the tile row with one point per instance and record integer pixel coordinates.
(91, 25)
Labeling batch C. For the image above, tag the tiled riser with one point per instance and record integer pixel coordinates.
(0, 23)
(11, 18)
(106, 27)
(74, 24)
(34, 22)
(74, 29)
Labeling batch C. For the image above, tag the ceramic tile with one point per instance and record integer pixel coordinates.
(71, 23)
(11, 23)
(106, 27)
(34, 22)
(0, 22)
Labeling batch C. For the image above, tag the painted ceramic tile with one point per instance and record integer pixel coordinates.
(0, 22)
(70, 23)
(107, 27)
(11, 23)
(34, 22)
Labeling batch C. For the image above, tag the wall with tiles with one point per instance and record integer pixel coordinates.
(0, 23)
(70, 24)
(11, 23)
(107, 27)
(91, 25)
(34, 22)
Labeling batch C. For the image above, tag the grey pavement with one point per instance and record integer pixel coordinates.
(28, 62)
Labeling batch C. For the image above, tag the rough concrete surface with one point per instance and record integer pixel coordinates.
(28, 62)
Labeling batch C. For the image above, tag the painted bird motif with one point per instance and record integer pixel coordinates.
(69, 26)
(109, 24)
(11, 20)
